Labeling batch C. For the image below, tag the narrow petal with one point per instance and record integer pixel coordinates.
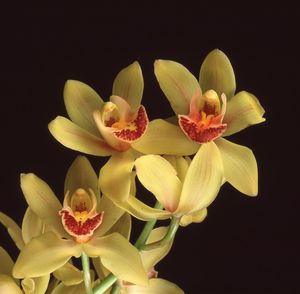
(240, 167)
(41, 284)
(119, 256)
(177, 83)
(122, 226)
(81, 175)
(129, 85)
(42, 201)
(77, 289)
(28, 285)
(162, 137)
(195, 217)
(159, 177)
(8, 285)
(157, 286)
(69, 274)
(13, 229)
(217, 74)
(32, 225)
(43, 255)
(115, 176)
(243, 110)
(6, 262)
(203, 180)
(74, 137)
(81, 101)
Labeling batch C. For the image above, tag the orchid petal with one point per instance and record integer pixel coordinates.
(240, 167)
(115, 176)
(74, 137)
(118, 256)
(159, 177)
(122, 226)
(41, 284)
(177, 83)
(81, 175)
(8, 285)
(195, 217)
(162, 137)
(203, 180)
(217, 74)
(69, 274)
(81, 101)
(28, 286)
(242, 111)
(129, 85)
(42, 201)
(124, 110)
(6, 262)
(13, 229)
(32, 225)
(157, 286)
(43, 255)
(77, 289)
(180, 164)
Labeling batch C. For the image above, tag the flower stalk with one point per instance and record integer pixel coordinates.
(86, 273)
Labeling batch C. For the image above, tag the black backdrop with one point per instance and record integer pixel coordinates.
(246, 245)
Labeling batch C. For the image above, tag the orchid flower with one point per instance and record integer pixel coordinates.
(184, 190)
(78, 227)
(204, 118)
(103, 128)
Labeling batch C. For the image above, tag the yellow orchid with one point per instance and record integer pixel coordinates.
(204, 118)
(184, 189)
(78, 228)
(103, 128)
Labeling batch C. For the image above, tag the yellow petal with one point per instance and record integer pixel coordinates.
(243, 110)
(122, 226)
(81, 101)
(159, 177)
(62, 289)
(156, 286)
(162, 137)
(42, 201)
(6, 262)
(180, 164)
(28, 286)
(74, 137)
(8, 285)
(203, 180)
(129, 85)
(81, 175)
(69, 274)
(195, 217)
(32, 225)
(13, 229)
(217, 74)
(119, 256)
(43, 255)
(41, 284)
(177, 83)
(240, 167)
(115, 176)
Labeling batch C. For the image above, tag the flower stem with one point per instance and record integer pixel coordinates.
(115, 289)
(105, 284)
(86, 273)
(174, 225)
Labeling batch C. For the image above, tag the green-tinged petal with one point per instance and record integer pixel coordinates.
(119, 256)
(195, 217)
(203, 180)
(122, 226)
(69, 274)
(156, 286)
(112, 214)
(32, 225)
(151, 257)
(240, 167)
(8, 285)
(13, 229)
(115, 176)
(129, 85)
(162, 137)
(81, 175)
(243, 110)
(159, 177)
(217, 74)
(42, 201)
(178, 84)
(41, 284)
(142, 211)
(6, 262)
(43, 255)
(81, 101)
(28, 286)
(74, 137)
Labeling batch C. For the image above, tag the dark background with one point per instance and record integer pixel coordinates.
(246, 245)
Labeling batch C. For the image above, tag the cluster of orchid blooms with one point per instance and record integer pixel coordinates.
(183, 161)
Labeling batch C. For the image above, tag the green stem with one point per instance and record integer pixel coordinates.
(86, 273)
(115, 289)
(173, 227)
(105, 284)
